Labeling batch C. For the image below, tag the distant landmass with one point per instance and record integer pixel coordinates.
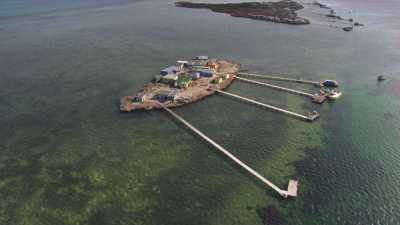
(279, 12)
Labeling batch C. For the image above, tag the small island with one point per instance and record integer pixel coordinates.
(182, 83)
(279, 12)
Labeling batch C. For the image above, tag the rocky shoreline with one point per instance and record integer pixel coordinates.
(332, 14)
(279, 12)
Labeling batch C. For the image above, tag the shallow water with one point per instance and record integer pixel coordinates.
(67, 156)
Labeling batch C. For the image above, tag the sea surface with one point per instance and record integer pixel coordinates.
(68, 156)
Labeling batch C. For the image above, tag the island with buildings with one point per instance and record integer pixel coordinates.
(185, 82)
(188, 81)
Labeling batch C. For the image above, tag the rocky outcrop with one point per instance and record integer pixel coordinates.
(348, 29)
(322, 6)
(278, 12)
(334, 16)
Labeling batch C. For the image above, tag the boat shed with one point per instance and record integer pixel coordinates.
(197, 68)
(197, 63)
(164, 96)
(169, 79)
(183, 82)
(169, 70)
(182, 64)
(205, 73)
(201, 57)
(194, 75)
(140, 97)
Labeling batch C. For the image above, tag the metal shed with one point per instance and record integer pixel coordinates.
(169, 70)
(201, 57)
(205, 73)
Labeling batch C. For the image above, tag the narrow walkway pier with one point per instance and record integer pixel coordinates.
(311, 117)
(292, 187)
(279, 78)
(276, 87)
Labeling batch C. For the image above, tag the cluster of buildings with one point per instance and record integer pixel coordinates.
(181, 76)
(183, 73)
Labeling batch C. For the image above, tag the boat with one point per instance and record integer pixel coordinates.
(381, 78)
(334, 94)
(330, 83)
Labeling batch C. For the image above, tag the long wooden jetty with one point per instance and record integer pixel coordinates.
(313, 116)
(276, 87)
(279, 78)
(292, 187)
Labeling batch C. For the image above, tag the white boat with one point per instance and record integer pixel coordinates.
(334, 94)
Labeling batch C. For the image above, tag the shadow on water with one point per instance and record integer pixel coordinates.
(271, 216)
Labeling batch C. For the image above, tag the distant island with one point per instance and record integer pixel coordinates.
(279, 12)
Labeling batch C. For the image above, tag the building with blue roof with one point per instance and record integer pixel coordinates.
(169, 70)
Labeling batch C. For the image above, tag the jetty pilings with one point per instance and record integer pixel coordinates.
(279, 78)
(292, 187)
(276, 87)
(311, 117)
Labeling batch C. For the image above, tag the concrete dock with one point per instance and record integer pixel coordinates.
(280, 78)
(292, 187)
(311, 117)
(317, 98)
(275, 87)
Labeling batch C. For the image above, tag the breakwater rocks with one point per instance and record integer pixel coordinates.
(278, 12)
(322, 6)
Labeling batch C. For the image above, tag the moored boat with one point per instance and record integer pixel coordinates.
(334, 94)
(381, 78)
(330, 83)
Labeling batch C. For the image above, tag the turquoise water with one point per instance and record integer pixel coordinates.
(67, 156)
